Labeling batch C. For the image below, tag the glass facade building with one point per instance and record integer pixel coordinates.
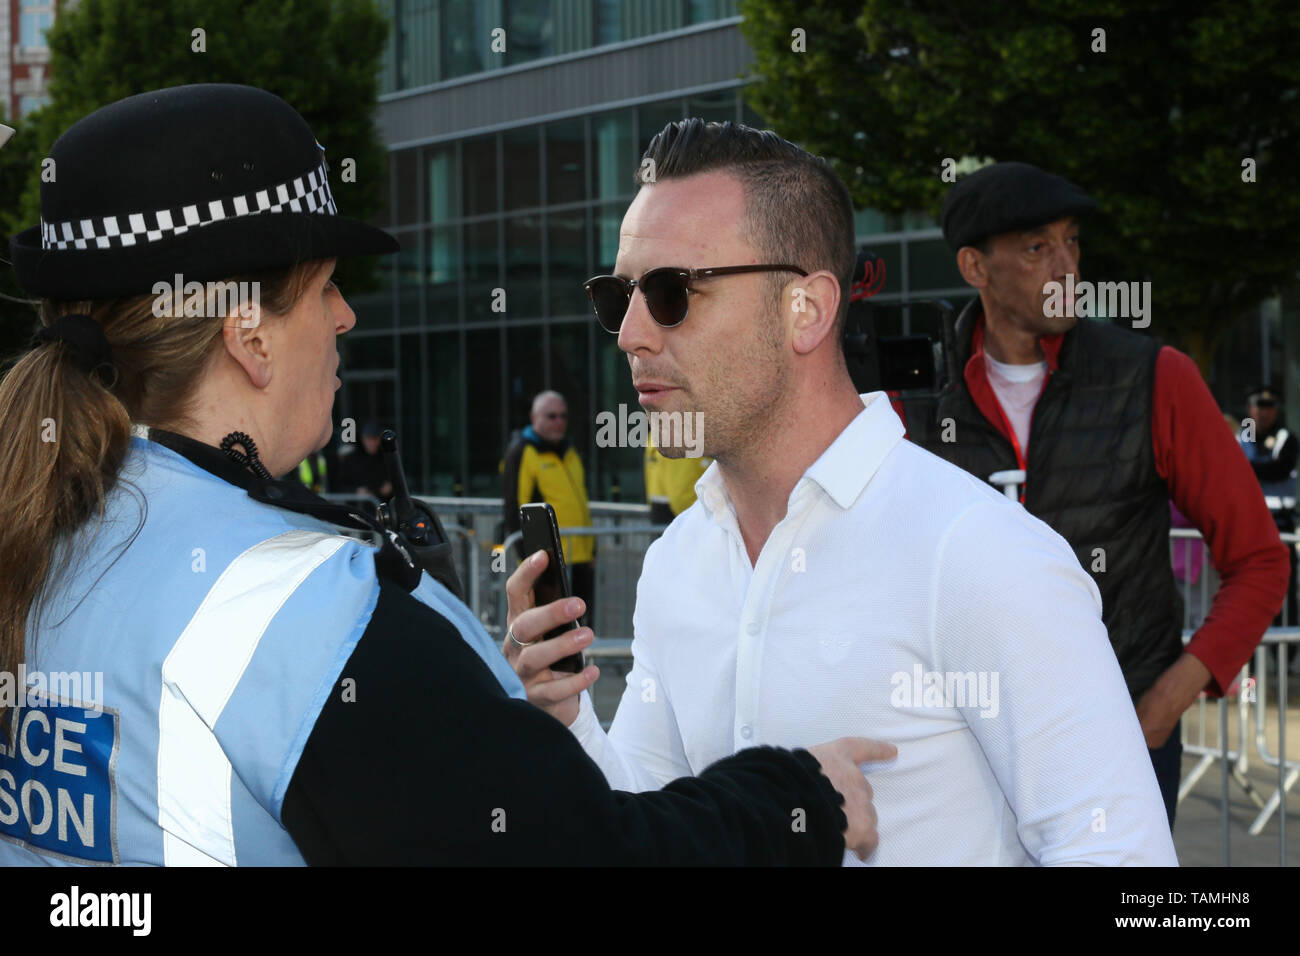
(437, 40)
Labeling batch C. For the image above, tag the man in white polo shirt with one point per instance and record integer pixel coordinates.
(834, 579)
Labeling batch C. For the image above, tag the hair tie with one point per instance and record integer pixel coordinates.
(84, 339)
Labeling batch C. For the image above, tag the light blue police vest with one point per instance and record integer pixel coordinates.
(175, 672)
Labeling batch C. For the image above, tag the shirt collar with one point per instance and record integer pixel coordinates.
(842, 471)
(845, 468)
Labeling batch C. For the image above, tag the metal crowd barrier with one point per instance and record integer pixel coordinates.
(1249, 699)
(623, 533)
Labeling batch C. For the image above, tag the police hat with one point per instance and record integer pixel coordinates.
(1265, 396)
(208, 181)
(1007, 197)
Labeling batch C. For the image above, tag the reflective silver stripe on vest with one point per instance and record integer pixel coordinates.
(199, 675)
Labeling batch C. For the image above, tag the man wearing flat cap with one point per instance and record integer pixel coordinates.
(1107, 427)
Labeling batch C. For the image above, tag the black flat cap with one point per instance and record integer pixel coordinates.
(1007, 197)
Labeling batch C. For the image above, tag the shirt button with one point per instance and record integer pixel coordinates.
(746, 732)
(751, 628)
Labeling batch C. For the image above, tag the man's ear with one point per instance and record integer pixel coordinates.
(973, 266)
(813, 302)
(246, 341)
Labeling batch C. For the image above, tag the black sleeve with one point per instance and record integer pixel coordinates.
(1279, 468)
(432, 763)
(510, 491)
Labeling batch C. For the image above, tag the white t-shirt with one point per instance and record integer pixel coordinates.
(1017, 388)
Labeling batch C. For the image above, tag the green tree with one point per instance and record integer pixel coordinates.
(1154, 116)
(321, 56)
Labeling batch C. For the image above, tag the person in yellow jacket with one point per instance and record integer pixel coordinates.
(542, 465)
(670, 483)
(312, 471)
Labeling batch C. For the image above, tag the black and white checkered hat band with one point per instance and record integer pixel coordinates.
(310, 193)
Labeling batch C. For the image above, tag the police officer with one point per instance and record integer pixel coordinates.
(1271, 450)
(272, 692)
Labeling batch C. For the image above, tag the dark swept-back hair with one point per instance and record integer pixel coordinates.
(797, 209)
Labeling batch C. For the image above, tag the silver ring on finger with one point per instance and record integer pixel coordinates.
(510, 633)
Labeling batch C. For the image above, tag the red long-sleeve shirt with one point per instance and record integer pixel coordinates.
(1211, 482)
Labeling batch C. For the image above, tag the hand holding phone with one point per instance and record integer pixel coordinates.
(541, 532)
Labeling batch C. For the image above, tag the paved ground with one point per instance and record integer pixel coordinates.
(1198, 831)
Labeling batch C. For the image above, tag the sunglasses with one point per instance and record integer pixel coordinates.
(666, 292)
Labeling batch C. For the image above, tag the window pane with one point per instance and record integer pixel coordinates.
(484, 422)
(931, 265)
(384, 217)
(29, 104)
(717, 107)
(654, 117)
(524, 267)
(442, 185)
(412, 412)
(524, 353)
(521, 157)
(407, 200)
(446, 424)
(374, 312)
(919, 220)
(388, 81)
(644, 17)
(568, 268)
(479, 166)
(869, 222)
(466, 36)
(572, 24)
(621, 467)
(529, 30)
(482, 269)
(442, 275)
(366, 353)
(571, 377)
(614, 156)
(609, 219)
(419, 42)
(609, 21)
(408, 280)
(32, 27)
(565, 158)
(704, 11)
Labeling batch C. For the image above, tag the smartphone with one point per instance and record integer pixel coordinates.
(541, 532)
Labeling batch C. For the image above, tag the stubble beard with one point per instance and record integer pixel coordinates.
(752, 391)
